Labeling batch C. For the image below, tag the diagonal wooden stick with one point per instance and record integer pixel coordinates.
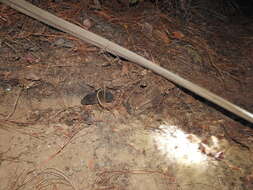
(56, 22)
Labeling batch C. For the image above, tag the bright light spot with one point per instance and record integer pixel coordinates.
(215, 142)
(176, 144)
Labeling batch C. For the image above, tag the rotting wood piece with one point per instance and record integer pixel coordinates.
(63, 25)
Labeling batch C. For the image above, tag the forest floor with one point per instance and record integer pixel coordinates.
(75, 117)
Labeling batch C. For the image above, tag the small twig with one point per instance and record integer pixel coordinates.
(15, 105)
(104, 98)
(2, 18)
(164, 174)
(10, 46)
(37, 179)
(60, 150)
(111, 61)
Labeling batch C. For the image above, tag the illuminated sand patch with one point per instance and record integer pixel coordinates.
(184, 148)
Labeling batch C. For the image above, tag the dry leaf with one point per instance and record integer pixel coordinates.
(178, 35)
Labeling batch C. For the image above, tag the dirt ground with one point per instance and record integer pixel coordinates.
(75, 117)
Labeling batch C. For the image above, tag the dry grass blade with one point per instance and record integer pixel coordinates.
(15, 104)
(44, 179)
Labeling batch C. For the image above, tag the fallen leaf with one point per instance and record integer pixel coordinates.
(219, 155)
(178, 35)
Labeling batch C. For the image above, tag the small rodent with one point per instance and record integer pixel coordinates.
(104, 96)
